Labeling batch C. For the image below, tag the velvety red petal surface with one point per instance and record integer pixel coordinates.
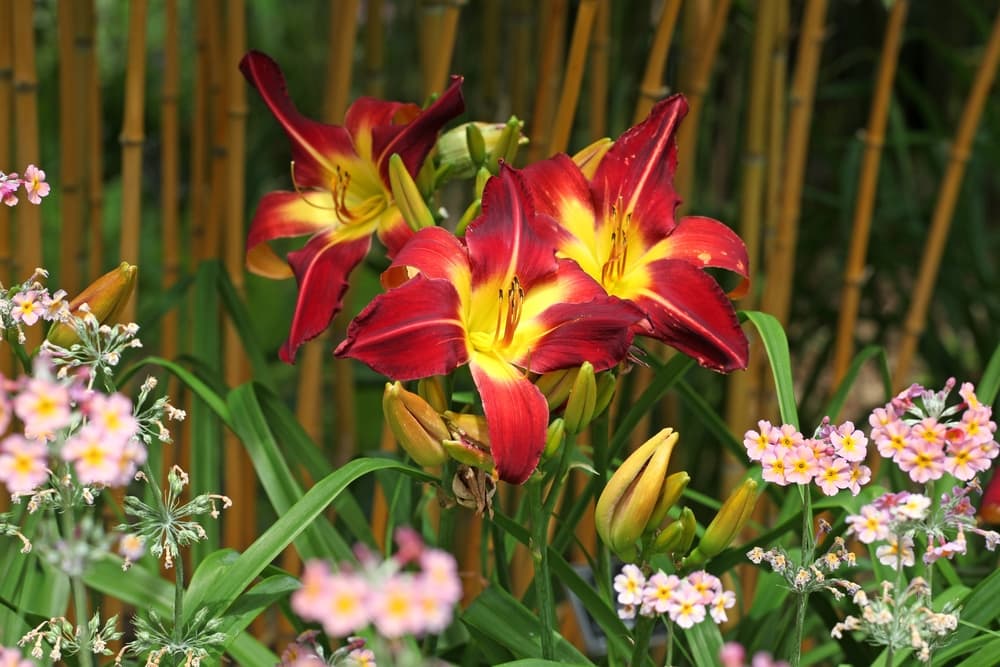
(435, 253)
(989, 510)
(688, 310)
(321, 270)
(412, 331)
(706, 242)
(393, 231)
(639, 168)
(598, 332)
(503, 241)
(516, 414)
(283, 215)
(315, 146)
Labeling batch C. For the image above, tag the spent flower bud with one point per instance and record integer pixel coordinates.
(418, 427)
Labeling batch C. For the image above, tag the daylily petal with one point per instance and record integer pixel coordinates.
(639, 169)
(688, 310)
(321, 270)
(433, 252)
(315, 146)
(283, 215)
(706, 242)
(392, 230)
(414, 140)
(412, 331)
(516, 414)
(503, 241)
(590, 156)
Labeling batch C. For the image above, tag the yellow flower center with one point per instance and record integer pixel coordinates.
(614, 266)
(510, 303)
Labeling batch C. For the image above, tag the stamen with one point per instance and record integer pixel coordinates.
(301, 193)
(614, 267)
(508, 312)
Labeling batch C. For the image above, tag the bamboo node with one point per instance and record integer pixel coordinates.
(6, 73)
(131, 141)
(871, 140)
(654, 92)
(960, 154)
(21, 86)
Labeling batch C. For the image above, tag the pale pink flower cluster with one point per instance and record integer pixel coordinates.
(398, 601)
(832, 458)
(92, 432)
(894, 518)
(306, 651)
(927, 438)
(686, 600)
(11, 657)
(814, 576)
(732, 654)
(33, 183)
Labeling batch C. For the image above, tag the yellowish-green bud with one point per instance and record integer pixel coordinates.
(677, 537)
(418, 427)
(476, 144)
(468, 216)
(672, 490)
(507, 145)
(727, 524)
(590, 156)
(554, 438)
(105, 298)
(407, 195)
(555, 386)
(432, 390)
(606, 383)
(627, 502)
(469, 442)
(582, 399)
(463, 149)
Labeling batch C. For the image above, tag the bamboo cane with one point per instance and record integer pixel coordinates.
(170, 171)
(781, 259)
(240, 478)
(697, 14)
(71, 153)
(29, 229)
(132, 139)
(91, 105)
(551, 37)
(573, 76)
(340, 57)
(490, 59)
(374, 49)
(520, 21)
(652, 87)
(599, 56)
(687, 135)
(6, 158)
(217, 114)
(930, 262)
(874, 136)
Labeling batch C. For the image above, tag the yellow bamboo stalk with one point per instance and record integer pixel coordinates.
(697, 14)
(781, 259)
(599, 56)
(170, 171)
(340, 57)
(687, 136)
(132, 139)
(944, 209)
(71, 153)
(91, 110)
(490, 59)
(551, 37)
(6, 159)
(240, 479)
(652, 87)
(199, 185)
(520, 22)
(374, 49)
(874, 136)
(29, 220)
(573, 76)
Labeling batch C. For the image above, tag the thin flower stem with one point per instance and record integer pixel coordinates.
(896, 597)
(86, 658)
(641, 634)
(808, 546)
(543, 582)
(178, 599)
(668, 661)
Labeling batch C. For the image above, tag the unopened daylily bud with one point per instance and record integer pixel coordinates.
(432, 390)
(418, 427)
(556, 385)
(475, 143)
(482, 176)
(582, 398)
(677, 537)
(507, 144)
(554, 438)
(468, 216)
(590, 156)
(726, 525)
(407, 195)
(632, 493)
(105, 299)
(606, 383)
(672, 490)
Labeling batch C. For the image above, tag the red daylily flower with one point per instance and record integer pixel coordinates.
(342, 192)
(989, 509)
(619, 226)
(502, 303)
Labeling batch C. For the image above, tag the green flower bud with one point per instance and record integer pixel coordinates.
(554, 438)
(606, 383)
(726, 525)
(407, 195)
(463, 149)
(105, 297)
(418, 427)
(627, 502)
(677, 537)
(556, 385)
(672, 490)
(507, 144)
(582, 399)
(476, 144)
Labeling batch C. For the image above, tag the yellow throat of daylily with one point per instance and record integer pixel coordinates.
(614, 266)
(349, 205)
(509, 305)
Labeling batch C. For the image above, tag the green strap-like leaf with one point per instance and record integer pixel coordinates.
(836, 403)
(776, 345)
(990, 383)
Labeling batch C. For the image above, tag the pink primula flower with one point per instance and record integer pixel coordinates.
(800, 465)
(759, 441)
(773, 464)
(439, 571)
(9, 183)
(394, 608)
(310, 601)
(347, 610)
(11, 657)
(859, 475)
(43, 406)
(723, 600)
(23, 463)
(95, 458)
(686, 609)
(889, 554)
(112, 415)
(834, 475)
(34, 183)
(360, 657)
(707, 585)
(788, 438)
(629, 585)
(891, 439)
(922, 459)
(27, 308)
(849, 443)
(871, 525)
(659, 592)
